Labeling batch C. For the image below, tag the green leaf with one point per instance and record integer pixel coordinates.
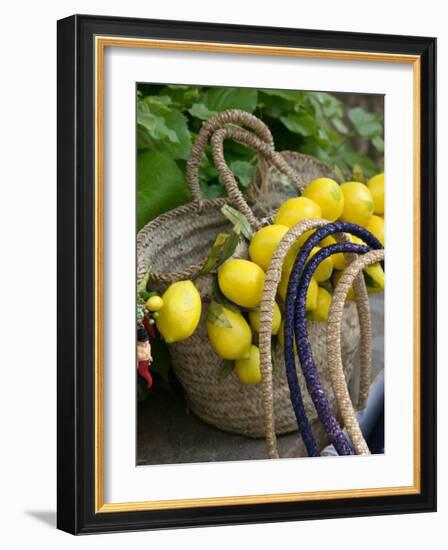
(226, 370)
(340, 178)
(176, 122)
(378, 143)
(339, 125)
(238, 219)
(215, 255)
(144, 281)
(289, 95)
(154, 124)
(351, 158)
(366, 124)
(220, 99)
(184, 96)
(160, 186)
(243, 170)
(212, 190)
(201, 111)
(300, 123)
(358, 174)
(216, 316)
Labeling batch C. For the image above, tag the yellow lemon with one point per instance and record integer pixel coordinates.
(281, 337)
(328, 195)
(264, 243)
(336, 276)
(324, 269)
(311, 295)
(356, 240)
(358, 203)
(376, 226)
(241, 282)
(154, 303)
(323, 305)
(337, 259)
(248, 370)
(234, 341)
(180, 313)
(376, 187)
(254, 318)
(297, 209)
(374, 277)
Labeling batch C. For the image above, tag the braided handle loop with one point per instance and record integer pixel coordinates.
(231, 116)
(272, 280)
(265, 150)
(351, 273)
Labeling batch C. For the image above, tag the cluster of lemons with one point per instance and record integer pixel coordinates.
(241, 281)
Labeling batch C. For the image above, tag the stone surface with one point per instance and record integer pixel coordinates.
(170, 434)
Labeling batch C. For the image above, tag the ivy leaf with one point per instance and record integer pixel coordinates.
(243, 170)
(160, 186)
(366, 124)
(201, 111)
(300, 123)
(378, 143)
(154, 124)
(288, 95)
(216, 316)
(219, 99)
(176, 122)
(211, 190)
(339, 125)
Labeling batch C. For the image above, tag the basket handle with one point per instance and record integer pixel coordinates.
(272, 281)
(259, 140)
(335, 366)
(265, 150)
(230, 116)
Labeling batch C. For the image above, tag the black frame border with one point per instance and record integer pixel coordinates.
(76, 263)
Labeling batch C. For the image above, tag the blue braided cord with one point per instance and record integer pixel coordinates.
(305, 353)
(296, 397)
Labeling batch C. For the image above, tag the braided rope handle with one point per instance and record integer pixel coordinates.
(217, 129)
(272, 281)
(230, 116)
(335, 367)
(236, 198)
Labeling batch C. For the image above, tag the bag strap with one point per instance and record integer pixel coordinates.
(236, 197)
(272, 280)
(335, 366)
(217, 130)
(230, 116)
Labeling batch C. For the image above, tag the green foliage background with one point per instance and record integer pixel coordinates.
(316, 123)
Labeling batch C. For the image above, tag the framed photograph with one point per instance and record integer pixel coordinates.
(234, 343)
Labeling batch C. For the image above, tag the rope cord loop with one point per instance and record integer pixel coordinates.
(291, 298)
(249, 139)
(334, 346)
(272, 280)
(230, 116)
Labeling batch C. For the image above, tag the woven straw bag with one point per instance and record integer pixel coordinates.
(176, 245)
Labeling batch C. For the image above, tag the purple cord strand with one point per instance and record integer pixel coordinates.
(293, 287)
